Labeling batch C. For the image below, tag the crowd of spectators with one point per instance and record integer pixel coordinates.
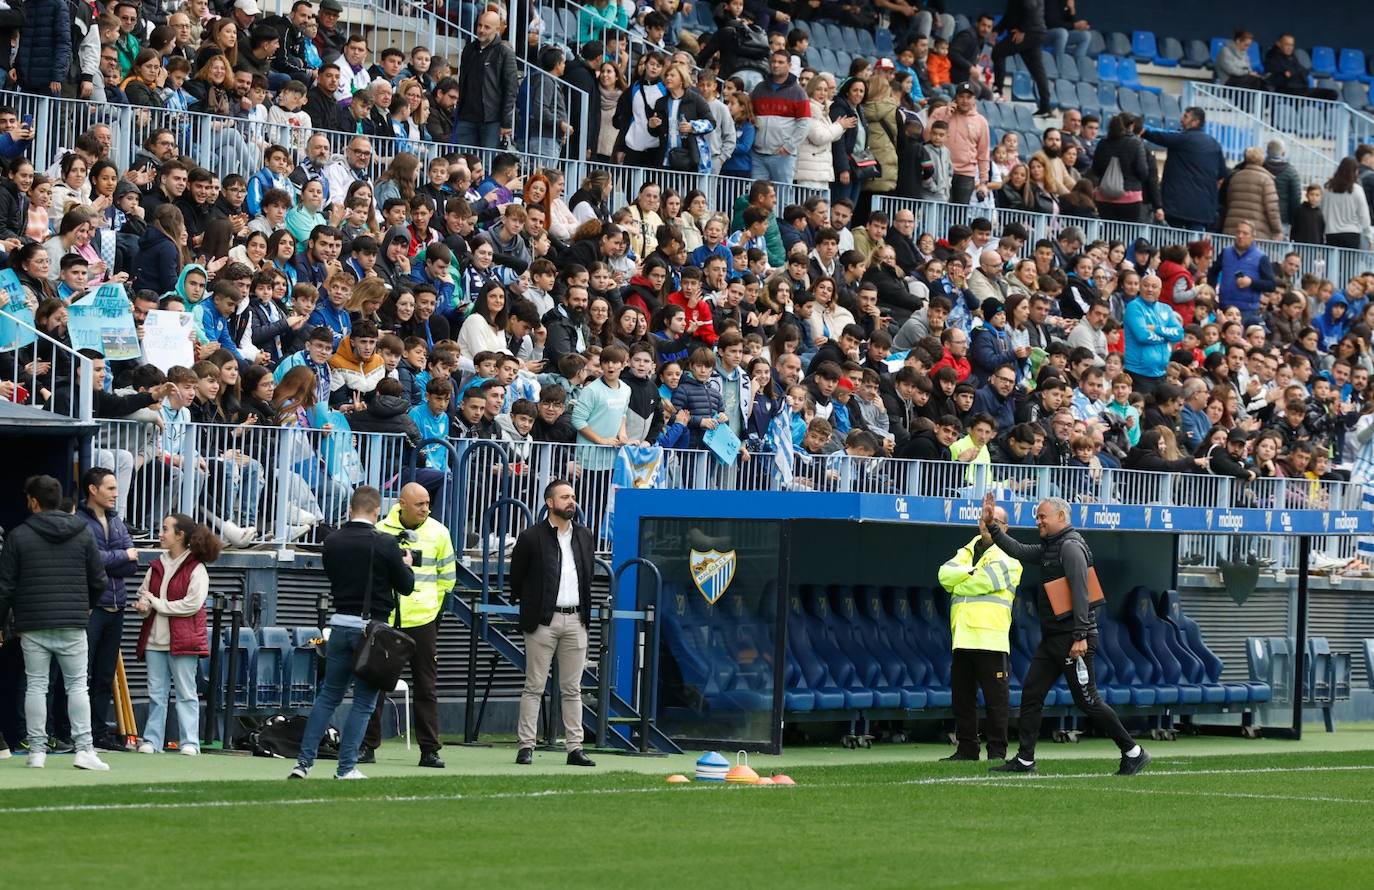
(390, 288)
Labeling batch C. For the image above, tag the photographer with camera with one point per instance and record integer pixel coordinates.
(433, 561)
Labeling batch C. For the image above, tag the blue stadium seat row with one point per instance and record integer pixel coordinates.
(276, 669)
(866, 649)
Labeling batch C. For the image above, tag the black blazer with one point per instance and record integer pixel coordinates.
(346, 554)
(535, 565)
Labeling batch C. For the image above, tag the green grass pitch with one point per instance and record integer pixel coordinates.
(1209, 813)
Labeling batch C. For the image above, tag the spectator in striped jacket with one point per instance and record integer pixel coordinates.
(782, 114)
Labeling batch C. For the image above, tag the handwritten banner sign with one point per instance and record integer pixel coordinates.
(167, 339)
(104, 321)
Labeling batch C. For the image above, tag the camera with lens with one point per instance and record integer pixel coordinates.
(406, 537)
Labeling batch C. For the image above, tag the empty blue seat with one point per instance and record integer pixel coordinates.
(1087, 72)
(1118, 44)
(1022, 119)
(939, 642)
(1195, 54)
(1152, 110)
(910, 638)
(247, 649)
(868, 668)
(1350, 65)
(1256, 60)
(1065, 94)
(883, 44)
(1051, 66)
(1022, 87)
(1107, 68)
(1143, 46)
(1097, 44)
(302, 668)
(813, 672)
(812, 57)
(867, 45)
(1068, 69)
(1153, 637)
(1323, 61)
(1170, 53)
(1106, 95)
(1318, 677)
(1214, 49)
(269, 666)
(816, 617)
(849, 39)
(1129, 100)
(1369, 662)
(1087, 99)
(1355, 94)
(1281, 662)
(1031, 140)
(1173, 110)
(1130, 668)
(865, 633)
(1128, 76)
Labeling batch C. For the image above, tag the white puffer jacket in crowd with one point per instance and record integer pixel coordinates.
(815, 162)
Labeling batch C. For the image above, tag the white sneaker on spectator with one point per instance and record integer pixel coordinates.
(298, 772)
(5, 753)
(37, 760)
(1321, 561)
(87, 760)
(146, 748)
(190, 751)
(351, 774)
(494, 543)
(296, 516)
(296, 532)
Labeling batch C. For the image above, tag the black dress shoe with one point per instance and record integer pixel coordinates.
(431, 760)
(111, 743)
(580, 758)
(525, 756)
(959, 755)
(1015, 765)
(367, 755)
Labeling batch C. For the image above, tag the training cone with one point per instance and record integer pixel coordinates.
(764, 780)
(783, 779)
(711, 767)
(678, 779)
(742, 773)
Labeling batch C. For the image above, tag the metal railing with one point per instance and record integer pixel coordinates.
(42, 370)
(1335, 263)
(1322, 123)
(283, 482)
(1237, 129)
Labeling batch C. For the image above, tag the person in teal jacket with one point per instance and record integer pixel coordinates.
(1151, 326)
(308, 213)
(597, 17)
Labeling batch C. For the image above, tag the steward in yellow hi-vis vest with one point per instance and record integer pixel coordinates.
(981, 581)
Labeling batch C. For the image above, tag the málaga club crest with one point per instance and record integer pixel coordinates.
(712, 572)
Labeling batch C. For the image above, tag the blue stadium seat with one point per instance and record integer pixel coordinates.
(1023, 118)
(1152, 109)
(1130, 668)
(864, 633)
(867, 45)
(1118, 44)
(812, 57)
(1107, 68)
(1323, 61)
(1022, 87)
(936, 629)
(1068, 69)
(1304, 59)
(269, 666)
(1106, 99)
(1051, 66)
(1280, 651)
(908, 636)
(1350, 65)
(1214, 49)
(992, 111)
(883, 43)
(1097, 44)
(817, 617)
(849, 40)
(1143, 46)
(1087, 99)
(1170, 53)
(1154, 636)
(240, 682)
(1129, 100)
(813, 674)
(1256, 59)
(1195, 55)
(1031, 140)
(1173, 110)
(302, 668)
(1127, 76)
(1065, 94)
(1355, 94)
(1318, 677)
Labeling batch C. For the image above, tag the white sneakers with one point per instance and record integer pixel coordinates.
(146, 748)
(190, 751)
(87, 760)
(351, 774)
(296, 516)
(5, 753)
(36, 760)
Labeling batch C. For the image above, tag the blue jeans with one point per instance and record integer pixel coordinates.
(778, 168)
(165, 670)
(338, 674)
(481, 135)
(1075, 43)
(544, 147)
(66, 646)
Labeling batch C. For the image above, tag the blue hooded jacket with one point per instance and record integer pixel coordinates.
(1331, 328)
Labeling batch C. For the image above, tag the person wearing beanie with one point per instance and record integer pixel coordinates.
(990, 347)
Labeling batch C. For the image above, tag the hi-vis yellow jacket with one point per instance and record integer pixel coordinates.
(435, 573)
(981, 596)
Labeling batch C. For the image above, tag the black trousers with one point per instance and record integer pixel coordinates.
(103, 634)
(969, 671)
(1051, 660)
(1029, 51)
(424, 680)
(960, 189)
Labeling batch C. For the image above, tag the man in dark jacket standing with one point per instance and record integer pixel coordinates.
(366, 569)
(45, 47)
(1193, 174)
(1067, 643)
(106, 627)
(487, 84)
(50, 577)
(551, 571)
(1023, 27)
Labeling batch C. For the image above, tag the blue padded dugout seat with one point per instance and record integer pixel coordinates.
(1318, 669)
(1151, 633)
(240, 682)
(910, 638)
(731, 688)
(1171, 609)
(868, 672)
(861, 641)
(938, 637)
(1147, 664)
(1192, 669)
(824, 668)
(1129, 668)
(302, 668)
(269, 666)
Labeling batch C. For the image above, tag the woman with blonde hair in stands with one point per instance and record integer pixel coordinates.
(1045, 189)
(815, 155)
(173, 638)
(368, 296)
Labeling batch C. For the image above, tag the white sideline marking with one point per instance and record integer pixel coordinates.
(1035, 780)
(1120, 789)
